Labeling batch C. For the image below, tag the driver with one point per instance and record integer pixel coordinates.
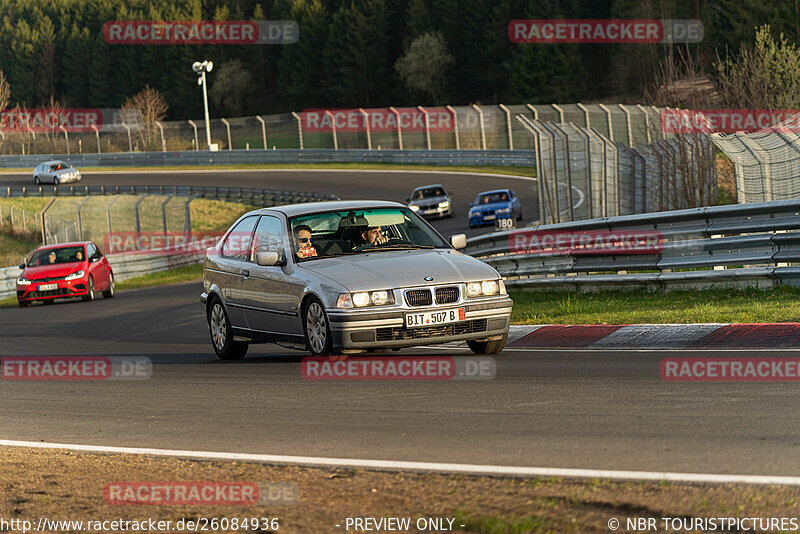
(372, 236)
(302, 240)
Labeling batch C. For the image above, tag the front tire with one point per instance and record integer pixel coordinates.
(36, 180)
(89, 296)
(55, 181)
(111, 291)
(219, 326)
(317, 329)
(488, 347)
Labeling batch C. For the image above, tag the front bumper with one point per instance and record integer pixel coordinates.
(485, 318)
(481, 219)
(435, 212)
(66, 289)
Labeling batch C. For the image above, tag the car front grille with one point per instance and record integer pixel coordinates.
(446, 295)
(47, 279)
(419, 297)
(454, 329)
(52, 293)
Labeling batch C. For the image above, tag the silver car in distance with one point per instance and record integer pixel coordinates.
(348, 277)
(55, 172)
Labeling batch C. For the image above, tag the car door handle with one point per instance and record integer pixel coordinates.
(245, 273)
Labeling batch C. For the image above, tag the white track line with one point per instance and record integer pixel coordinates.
(388, 465)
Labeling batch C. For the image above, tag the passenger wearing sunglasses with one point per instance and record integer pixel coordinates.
(302, 239)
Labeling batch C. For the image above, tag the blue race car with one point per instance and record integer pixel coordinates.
(492, 205)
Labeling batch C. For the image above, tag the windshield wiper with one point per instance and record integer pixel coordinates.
(398, 246)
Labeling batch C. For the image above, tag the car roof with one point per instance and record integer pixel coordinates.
(62, 245)
(494, 191)
(53, 161)
(294, 210)
(429, 186)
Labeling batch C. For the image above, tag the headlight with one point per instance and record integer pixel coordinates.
(75, 276)
(365, 298)
(444, 204)
(485, 288)
(503, 288)
(23, 281)
(413, 208)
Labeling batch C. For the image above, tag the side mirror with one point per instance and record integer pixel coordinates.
(408, 200)
(267, 259)
(95, 259)
(471, 204)
(458, 241)
(22, 265)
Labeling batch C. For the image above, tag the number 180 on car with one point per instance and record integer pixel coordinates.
(432, 318)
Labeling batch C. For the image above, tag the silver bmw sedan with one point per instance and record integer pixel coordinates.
(348, 277)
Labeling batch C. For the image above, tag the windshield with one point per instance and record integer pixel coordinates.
(53, 256)
(489, 198)
(428, 193)
(360, 231)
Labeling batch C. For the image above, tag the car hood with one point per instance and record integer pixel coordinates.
(68, 170)
(384, 270)
(58, 270)
(491, 207)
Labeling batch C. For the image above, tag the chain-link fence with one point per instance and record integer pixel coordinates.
(583, 174)
(443, 127)
(766, 163)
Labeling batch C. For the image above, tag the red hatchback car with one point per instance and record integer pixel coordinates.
(64, 271)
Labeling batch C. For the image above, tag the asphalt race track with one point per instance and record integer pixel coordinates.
(567, 409)
(346, 184)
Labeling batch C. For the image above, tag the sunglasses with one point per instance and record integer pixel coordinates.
(304, 239)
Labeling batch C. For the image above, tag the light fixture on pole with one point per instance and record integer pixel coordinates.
(200, 69)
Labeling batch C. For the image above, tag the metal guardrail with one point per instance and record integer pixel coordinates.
(738, 245)
(283, 156)
(238, 194)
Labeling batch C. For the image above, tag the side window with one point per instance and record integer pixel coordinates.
(91, 251)
(269, 235)
(237, 243)
(96, 252)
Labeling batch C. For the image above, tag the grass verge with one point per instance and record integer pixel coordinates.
(781, 304)
(67, 485)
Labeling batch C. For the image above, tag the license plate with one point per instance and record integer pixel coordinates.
(433, 318)
(488, 217)
(48, 287)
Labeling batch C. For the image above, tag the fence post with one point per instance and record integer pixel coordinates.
(608, 118)
(164, 215)
(263, 130)
(399, 129)
(427, 126)
(187, 217)
(366, 123)
(3, 148)
(44, 221)
(97, 135)
(455, 125)
(299, 128)
(137, 215)
(80, 219)
(228, 128)
(508, 125)
(627, 124)
(585, 114)
(543, 193)
(35, 150)
(333, 127)
(66, 137)
(483, 130)
(196, 141)
(163, 141)
(533, 110)
(646, 121)
(130, 143)
(560, 112)
(108, 218)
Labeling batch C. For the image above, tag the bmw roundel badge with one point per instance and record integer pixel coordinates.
(429, 279)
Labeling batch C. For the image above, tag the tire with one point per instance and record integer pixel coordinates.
(24, 304)
(488, 347)
(111, 291)
(219, 327)
(55, 180)
(519, 215)
(36, 180)
(89, 296)
(317, 329)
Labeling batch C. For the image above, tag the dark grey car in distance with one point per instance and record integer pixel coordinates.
(431, 201)
(348, 277)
